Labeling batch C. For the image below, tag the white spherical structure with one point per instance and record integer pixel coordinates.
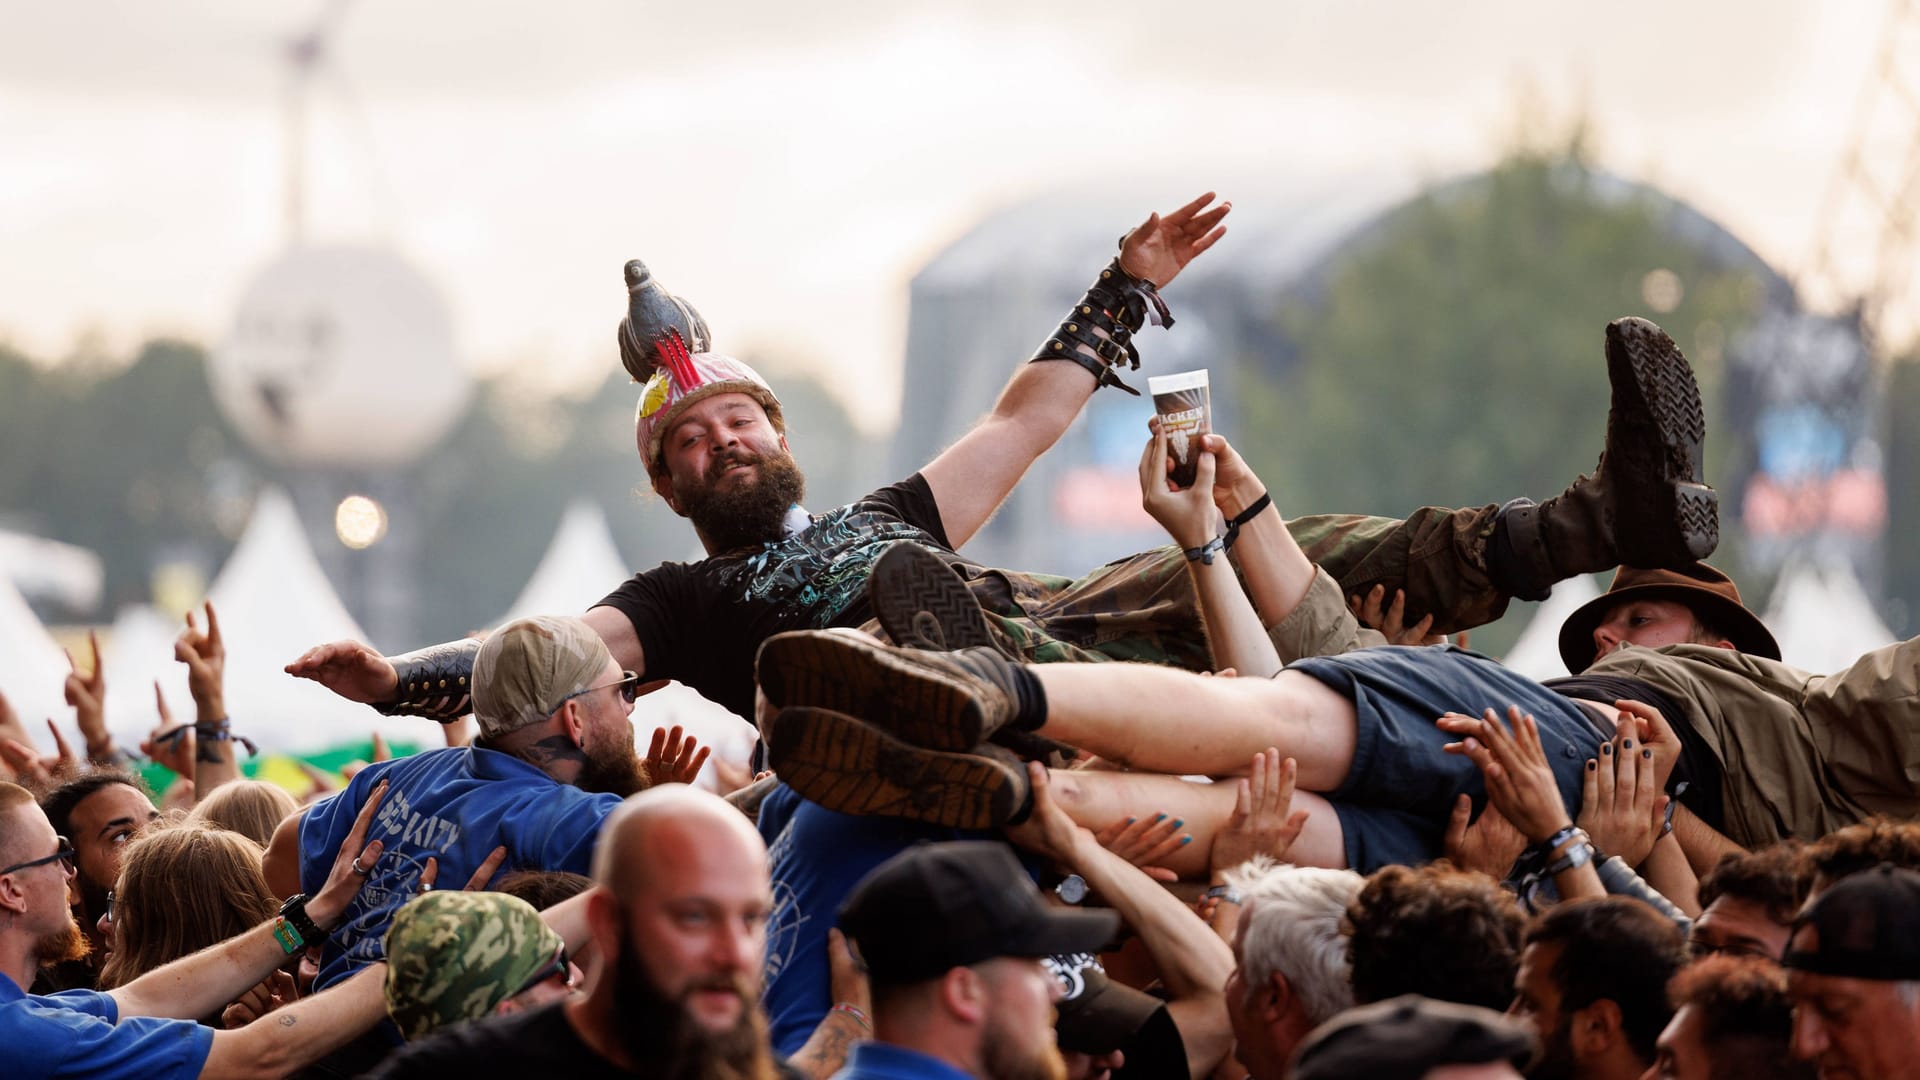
(340, 356)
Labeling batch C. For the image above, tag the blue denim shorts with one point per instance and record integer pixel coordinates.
(1396, 799)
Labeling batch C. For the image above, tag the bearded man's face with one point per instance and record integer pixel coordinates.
(728, 471)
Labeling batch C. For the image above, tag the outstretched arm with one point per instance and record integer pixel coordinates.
(971, 478)
(205, 654)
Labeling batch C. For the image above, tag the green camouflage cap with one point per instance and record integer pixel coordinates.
(453, 956)
(526, 669)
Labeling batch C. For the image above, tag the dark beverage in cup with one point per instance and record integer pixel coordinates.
(1180, 400)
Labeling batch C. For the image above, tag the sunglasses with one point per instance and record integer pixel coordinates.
(63, 853)
(559, 967)
(628, 685)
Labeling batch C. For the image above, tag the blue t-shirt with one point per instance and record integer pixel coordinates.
(79, 1033)
(456, 805)
(817, 856)
(884, 1061)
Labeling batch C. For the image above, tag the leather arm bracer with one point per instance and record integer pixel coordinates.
(435, 682)
(1098, 333)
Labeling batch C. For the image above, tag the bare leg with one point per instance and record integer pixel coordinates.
(1097, 799)
(1163, 720)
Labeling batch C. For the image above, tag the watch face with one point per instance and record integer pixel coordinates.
(1072, 890)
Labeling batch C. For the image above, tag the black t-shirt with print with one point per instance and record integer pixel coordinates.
(703, 622)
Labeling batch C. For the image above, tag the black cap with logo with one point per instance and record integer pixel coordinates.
(935, 907)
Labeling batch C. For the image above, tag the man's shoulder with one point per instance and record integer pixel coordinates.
(537, 1041)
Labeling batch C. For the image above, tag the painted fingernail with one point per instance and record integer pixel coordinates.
(1177, 822)
(1592, 764)
(1132, 820)
(1648, 754)
(1606, 748)
(1628, 744)
(1186, 840)
(1159, 817)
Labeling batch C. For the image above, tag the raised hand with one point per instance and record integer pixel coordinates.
(88, 695)
(348, 668)
(476, 882)
(1048, 831)
(205, 654)
(1187, 514)
(1490, 844)
(1145, 841)
(1260, 823)
(1162, 246)
(674, 757)
(1653, 730)
(1391, 622)
(176, 753)
(277, 990)
(1620, 802)
(1519, 780)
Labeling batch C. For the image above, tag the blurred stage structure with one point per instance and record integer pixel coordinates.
(988, 299)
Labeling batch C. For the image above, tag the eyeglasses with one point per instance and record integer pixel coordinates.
(559, 967)
(64, 853)
(629, 687)
(111, 901)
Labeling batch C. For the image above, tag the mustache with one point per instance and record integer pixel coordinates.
(733, 457)
(727, 984)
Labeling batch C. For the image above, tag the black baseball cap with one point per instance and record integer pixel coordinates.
(1865, 926)
(1096, 1015)
(935, 907)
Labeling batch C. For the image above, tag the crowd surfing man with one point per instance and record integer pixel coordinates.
(554, 757)
(1360, 724)
(713, 441)
(146, 1028)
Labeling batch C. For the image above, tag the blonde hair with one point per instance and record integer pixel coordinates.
(182, 888)
(252, 808)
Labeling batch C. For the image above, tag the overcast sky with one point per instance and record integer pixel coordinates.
(789, 166)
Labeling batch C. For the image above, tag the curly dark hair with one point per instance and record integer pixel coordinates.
(1746, 1018)
(1772, 877)
(1437, 931)
(1864, 846)
(59, 803)
(1614, 949)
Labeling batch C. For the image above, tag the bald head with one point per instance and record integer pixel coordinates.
(12, 829)
(674, 831)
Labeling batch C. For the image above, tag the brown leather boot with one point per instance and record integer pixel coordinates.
(1645, 504)
(855, 768)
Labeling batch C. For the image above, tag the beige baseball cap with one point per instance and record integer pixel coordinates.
(527, 668)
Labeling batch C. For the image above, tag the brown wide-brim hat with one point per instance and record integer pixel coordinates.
(1709, 593)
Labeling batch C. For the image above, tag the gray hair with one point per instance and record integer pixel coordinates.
(1291, 923)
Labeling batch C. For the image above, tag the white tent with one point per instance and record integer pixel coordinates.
(1537, 653)
(139, 650)
(581, 566)
(274, 603)
(1822, 617)
(33, 670)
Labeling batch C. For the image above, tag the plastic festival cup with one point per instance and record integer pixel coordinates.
(1186, 413)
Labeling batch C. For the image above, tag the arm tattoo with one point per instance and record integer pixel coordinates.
(287, 1020)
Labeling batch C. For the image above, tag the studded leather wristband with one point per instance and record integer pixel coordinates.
(1098, 333)
(435, 682)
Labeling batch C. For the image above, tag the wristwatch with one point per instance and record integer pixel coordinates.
(294, 910)
(1072, 889)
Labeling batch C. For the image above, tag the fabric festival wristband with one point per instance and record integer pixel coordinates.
(1233, 525)
(854, 1011)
